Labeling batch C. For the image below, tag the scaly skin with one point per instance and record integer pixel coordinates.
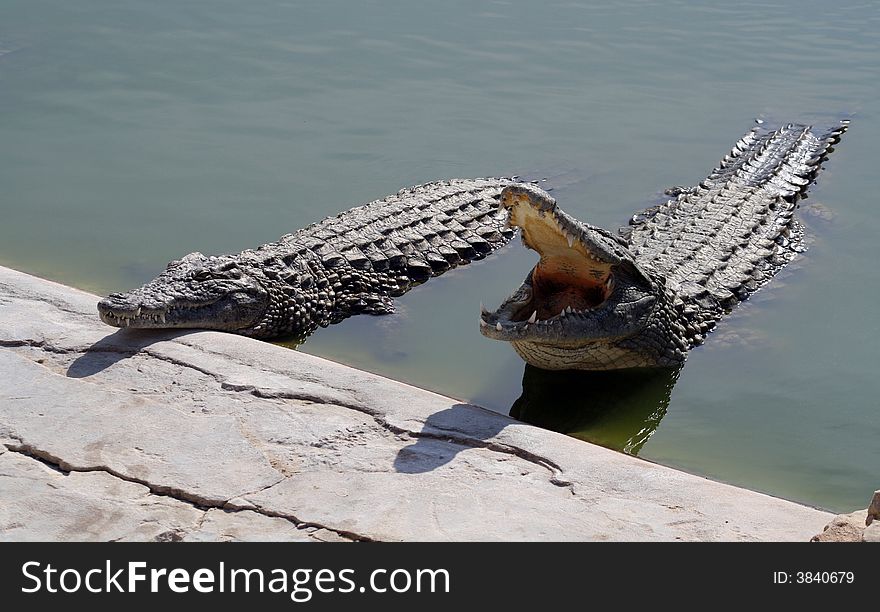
(355, 262)
(596, 301)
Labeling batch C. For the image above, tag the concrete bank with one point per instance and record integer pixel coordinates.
(112, 434)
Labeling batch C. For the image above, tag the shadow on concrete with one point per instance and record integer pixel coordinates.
(619, 409)
(444, 435)
(117, 346)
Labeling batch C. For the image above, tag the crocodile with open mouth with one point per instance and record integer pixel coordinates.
(643, 297)
(595, 301)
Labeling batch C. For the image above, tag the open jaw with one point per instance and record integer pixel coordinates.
(571, 283)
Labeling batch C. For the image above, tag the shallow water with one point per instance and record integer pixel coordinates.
(132, 133)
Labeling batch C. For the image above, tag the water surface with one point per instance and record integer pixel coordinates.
(132, 133)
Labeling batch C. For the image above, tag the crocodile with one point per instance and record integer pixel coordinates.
(355, 262)
(596, 300)
(646, 295)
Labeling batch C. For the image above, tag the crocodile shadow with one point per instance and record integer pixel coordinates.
(115, 347)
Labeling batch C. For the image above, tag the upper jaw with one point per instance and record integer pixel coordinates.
(541, 221)
(573, 284)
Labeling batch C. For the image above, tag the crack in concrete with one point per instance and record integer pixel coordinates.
(37, 344)
(452, 436)
(556, 472)
(168, 359)
(442, 435)
(265, 451)
(59, 465)
(201, 520)
(304, 396)
(65, 467)
(300, 523)
(304, 376)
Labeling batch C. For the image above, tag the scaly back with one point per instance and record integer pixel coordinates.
(716, 243)
(420, 232)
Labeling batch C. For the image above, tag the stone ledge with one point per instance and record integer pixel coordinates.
(858, 526)
(123, 434)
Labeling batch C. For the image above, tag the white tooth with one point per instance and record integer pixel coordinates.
(534, 317)
(162, 317)
(482, 322)
(138, 312)
(483, 309)
(568, 310)
(498, 326)
(570, 239)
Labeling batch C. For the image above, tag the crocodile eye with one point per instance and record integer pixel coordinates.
(201, 274)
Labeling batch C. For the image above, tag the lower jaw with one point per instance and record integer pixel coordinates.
(596, 355)
(547, 311)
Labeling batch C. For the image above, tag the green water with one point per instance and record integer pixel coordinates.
(132, 133)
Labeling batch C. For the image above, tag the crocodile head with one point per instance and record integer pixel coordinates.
(585, 300)
(194, 292)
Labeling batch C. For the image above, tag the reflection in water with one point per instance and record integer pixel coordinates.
(619, 409)
(291, 342)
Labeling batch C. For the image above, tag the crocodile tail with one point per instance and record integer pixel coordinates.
(405, 239)
(720, 241)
